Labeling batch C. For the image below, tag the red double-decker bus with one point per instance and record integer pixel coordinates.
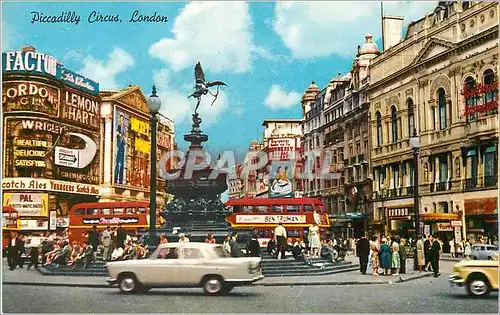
(132, 215)
(10, 223)
(262, 215)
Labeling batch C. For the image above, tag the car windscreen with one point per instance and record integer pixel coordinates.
(221, 252)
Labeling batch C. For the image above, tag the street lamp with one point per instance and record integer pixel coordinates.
(415, 145)
(154, 105)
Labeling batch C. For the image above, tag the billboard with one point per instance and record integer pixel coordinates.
(80, 109)
(30, 96)
(131, 150)
(281, 179)
(28, 204)
(281, 149)
(62, 151)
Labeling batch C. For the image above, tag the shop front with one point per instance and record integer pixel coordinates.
(481, 216)
(401, 221)
(51, 140)
(441, 224)
(350, 224)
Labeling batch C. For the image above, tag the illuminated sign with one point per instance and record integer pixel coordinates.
(27, 153)
(271, 219)
(398, 212)
(126, 220)
(80, 82)
(28, 204)
(486, 93)
(281, 149)
(81, 110)
(42, 125)
(139, 126)
(164, 140)
(143, 146)
(76, 158)
(30, 96)
(28, 183)
(29, 62)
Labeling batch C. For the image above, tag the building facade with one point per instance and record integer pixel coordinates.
(440, 82)
(51, 139)
(126, 167)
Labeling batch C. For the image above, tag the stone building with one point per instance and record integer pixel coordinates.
(440, 81)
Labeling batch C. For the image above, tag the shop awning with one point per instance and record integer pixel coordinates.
(483, 206)
(439, 216)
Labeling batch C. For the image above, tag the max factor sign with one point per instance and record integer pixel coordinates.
(31, 62)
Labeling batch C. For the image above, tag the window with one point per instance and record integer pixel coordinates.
(262, 209)
(471, 169)
(488, 80)
(130, 211)
(168, 253)
(358, 148)
(92, 211)
(221, 253)
(411, 118)
(442, 108)
(278, 209)
(471, 101)
(443, 170)
(106, 211)
(308, 208)
(379, 129)
(79, 211)
(190, 253)
(293, 208)
(118, 211)
(141, 210)
(394, 123)
(490, 166)
(366, 146)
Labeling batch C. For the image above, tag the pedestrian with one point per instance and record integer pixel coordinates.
(183, 238)
(363, 251)
(421, 253)
(34, 244)
(280, 238)
(396, 259)
(227, 244)
(253, 246)
(121, 236)
(374, 248)
(163, 239)
(468, 250)
(460, 250)
(385, 257)
(435, 250)
(94, 237)
(314, 240)
(210, 239)
(427, 249)
(14, 250)
(402, 255)
(452, 248)
(106, 242)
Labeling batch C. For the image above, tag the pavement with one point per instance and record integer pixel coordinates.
(426, 295)
(34, 278)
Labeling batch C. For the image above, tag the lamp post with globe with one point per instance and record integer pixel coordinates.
(154, 105)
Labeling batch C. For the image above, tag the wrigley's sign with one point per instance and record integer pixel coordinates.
(273, 219)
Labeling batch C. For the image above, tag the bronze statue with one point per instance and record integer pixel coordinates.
(202, 87)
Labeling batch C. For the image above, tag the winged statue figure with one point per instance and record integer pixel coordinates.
(202, 86)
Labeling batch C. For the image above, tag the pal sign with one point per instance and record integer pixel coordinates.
(76, 158)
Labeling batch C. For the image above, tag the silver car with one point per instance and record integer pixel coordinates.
(483, 251)
(185, 265)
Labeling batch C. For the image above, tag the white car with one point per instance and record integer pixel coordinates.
(185, 265)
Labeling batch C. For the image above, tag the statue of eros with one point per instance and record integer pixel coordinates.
(202, 87)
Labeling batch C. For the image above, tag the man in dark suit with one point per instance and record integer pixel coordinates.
(363, 251)
(121, 235)
(15, 248)
(435, 249)
(94, 237)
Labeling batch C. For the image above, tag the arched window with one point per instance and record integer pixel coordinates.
(379, 129)
(411, 118)
(470, 99)
(394, 124)
(442, 108)
(488, 80)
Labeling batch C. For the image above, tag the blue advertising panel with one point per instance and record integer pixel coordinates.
(30, 62)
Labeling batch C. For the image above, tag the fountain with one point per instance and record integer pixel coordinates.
(196, 208)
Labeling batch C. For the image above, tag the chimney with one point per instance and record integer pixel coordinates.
(28, 49)
(392, 30)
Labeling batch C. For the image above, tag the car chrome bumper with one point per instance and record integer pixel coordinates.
(111, 281)
(456, 279)
(245, 281)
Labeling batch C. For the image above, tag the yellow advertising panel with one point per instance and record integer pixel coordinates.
(28, 204)
(142, 145)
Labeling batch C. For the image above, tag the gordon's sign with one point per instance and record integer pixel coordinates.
(42, 184)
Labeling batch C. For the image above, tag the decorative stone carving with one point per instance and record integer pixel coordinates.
(378, 105)
(457, 167)
(409, 93)
(462, 26)
(492, 13)
(136, 100)
(482, 18)
(426, 172)
(394, 100)
(471, 23)
(441, 81)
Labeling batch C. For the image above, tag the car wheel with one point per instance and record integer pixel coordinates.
(478, 286)
(128, 283)
(213, 285)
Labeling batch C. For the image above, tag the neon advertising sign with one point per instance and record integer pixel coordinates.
(480, 91)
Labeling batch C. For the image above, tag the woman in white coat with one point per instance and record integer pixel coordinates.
(314, 240)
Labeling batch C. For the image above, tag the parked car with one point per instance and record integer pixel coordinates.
(479, 276)
(483, 251)
(185, 265)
